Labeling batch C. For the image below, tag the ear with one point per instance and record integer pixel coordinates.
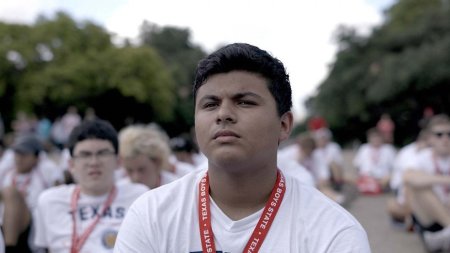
(287, 120)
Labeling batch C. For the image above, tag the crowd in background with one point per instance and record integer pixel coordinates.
(150, 157)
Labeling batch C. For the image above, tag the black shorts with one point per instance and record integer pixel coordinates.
(22, 242)
(434, 227)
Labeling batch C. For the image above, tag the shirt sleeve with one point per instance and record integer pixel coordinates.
(39, 224)
(134, 233)
(350, 240)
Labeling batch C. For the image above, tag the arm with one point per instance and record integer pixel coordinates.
(420, 179)
(350, 240)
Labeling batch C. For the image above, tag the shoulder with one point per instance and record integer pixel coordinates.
(129, 188)
(56, 193)
(172, 194)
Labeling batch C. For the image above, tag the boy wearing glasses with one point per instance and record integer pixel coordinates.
(85, 217)
(428, 185)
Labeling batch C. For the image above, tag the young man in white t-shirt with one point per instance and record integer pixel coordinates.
(242, 202)
(428, 185)
(27, 174)
(374, 161)
(86, 216)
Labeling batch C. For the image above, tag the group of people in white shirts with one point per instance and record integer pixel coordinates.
(418, 174)
(32, 220)
(241, 191)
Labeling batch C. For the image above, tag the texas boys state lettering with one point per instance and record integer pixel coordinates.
(261, 229)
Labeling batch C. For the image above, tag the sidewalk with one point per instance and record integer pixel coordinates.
(372, 214)
(383, 236)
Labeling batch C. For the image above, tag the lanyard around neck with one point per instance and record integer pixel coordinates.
(78, 241)
(261, 229)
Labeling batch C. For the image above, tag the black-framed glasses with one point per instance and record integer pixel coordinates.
(86, 156)
(441, 134)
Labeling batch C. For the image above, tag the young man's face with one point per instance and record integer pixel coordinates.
(142, 169)
(93, 164)
(236, 119)
(440, 139)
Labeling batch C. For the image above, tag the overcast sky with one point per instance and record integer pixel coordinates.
(299, 33)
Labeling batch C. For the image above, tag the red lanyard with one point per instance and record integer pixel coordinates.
(24, 186)
(261, 229)
(78, 241)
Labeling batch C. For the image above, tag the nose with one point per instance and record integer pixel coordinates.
(226, 113)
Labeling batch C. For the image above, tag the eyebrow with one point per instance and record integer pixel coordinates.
(95, 151)
(236, 96)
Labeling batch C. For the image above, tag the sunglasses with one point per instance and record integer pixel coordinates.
(441, 134)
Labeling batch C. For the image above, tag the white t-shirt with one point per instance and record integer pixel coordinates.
(406, 159)
(54, 219)
(166, 220)
(375, 162)
(403, 159)
(2, 243)
(330, 153)
(43, 176)
(181, 168)
(315, 164)
(426, 162)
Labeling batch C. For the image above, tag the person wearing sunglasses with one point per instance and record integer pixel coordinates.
(428, 187)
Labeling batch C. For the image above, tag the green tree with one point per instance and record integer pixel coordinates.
(60, 62)
(401, 68)
(181, 57)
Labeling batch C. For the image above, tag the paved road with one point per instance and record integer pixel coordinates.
(371, 213)
(383, 236)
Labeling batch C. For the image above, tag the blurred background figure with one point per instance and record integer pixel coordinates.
(316, 122)
(303, 152)
(374, 161)
(28, 174)
(398, 206)
(185, 150)
(331, 153)
(145, 156)
(428, 187)
(89, 114)
(386, 128)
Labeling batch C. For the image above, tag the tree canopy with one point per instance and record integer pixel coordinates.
(58, 62)
(402, 67)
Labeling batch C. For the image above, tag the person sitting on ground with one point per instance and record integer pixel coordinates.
(28, 174)
(242, 202)
(428, 186)
(398, 206)
(374, 161)
(331, 153)
(85, 217)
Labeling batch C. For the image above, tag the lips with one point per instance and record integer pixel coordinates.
(94, 173)
(225, 133)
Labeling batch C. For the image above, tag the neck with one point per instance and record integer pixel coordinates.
(441, 155)
(97, 191)
(241, 194)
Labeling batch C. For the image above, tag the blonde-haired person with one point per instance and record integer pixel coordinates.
(145, 156)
